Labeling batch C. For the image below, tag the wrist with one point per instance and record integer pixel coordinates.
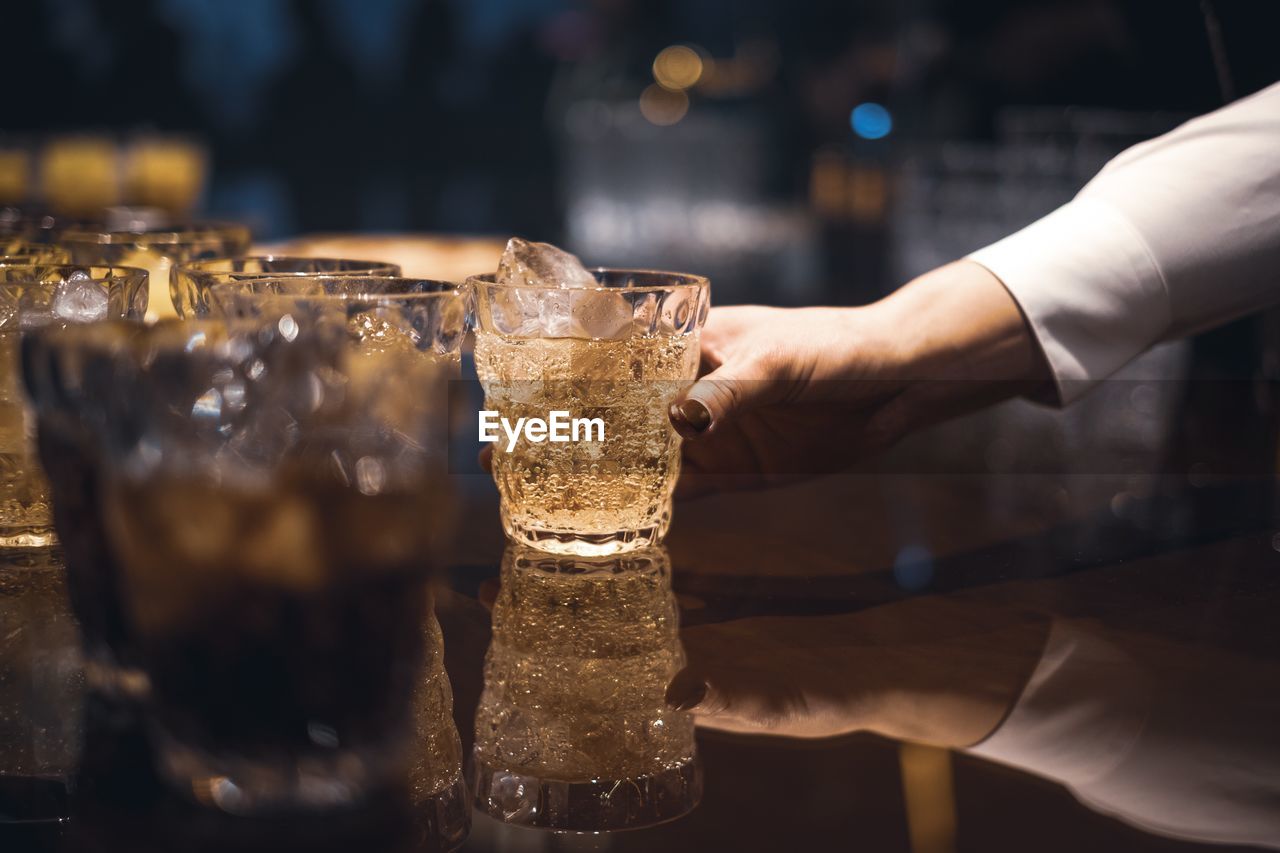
(959, 322)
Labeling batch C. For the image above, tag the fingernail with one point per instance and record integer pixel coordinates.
(692, 415)
(684, 698)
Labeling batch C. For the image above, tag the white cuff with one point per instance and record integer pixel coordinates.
(1080, 713)
(1088, 286)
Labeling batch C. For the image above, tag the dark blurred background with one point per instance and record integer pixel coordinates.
(795, 151)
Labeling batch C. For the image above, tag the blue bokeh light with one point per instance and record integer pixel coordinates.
(871, 121)
(913, 567)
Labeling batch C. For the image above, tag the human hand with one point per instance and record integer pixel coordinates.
(929, 669)
(789, 393)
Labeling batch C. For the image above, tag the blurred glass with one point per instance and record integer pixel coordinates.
(271, 498)
(167, 172)
(32, 296)
(80, 174)
(19, 250)
(15, 173)
(189, 284)
(41, 687)
(158, 250)
(573, 731)
(35, 225)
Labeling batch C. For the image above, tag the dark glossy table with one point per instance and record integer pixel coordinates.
(911, 579)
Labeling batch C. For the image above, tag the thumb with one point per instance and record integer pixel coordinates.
(720, 397)
(690, 689)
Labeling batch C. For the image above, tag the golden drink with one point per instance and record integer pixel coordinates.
(606, 494)
(573, 730)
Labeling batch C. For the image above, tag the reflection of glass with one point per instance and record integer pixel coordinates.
(190, 283)
(620, 353)
(41, 687)
(438, 791)
(270, 497)
(156, 251)
(31, 296)
(573, 730)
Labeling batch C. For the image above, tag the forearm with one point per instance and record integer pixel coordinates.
(957, 342)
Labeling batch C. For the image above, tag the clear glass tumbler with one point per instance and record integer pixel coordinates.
(156, 251)
(612, 357)
(190, 283)
(573, 731)
(269, 489)
(31, 296)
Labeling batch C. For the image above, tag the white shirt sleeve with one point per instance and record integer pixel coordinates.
(1173, 236)
(1189, 750)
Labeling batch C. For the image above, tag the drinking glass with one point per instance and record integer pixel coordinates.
(31, 296)
(573, 731)
(620, 353)
(156, 251)
(270, 490)
(438, 791)
(190, 282)
(378, 312)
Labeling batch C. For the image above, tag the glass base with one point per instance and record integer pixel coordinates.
(26, 537)
(580, 544)
(443, 819)
(240, 785)
(33, 799)
(597, 805)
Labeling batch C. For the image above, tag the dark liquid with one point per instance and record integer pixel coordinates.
(275, 622)
(25, 799)
(268, 672)
(92, 575)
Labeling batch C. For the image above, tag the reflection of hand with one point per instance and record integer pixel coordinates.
(928, 669)
(800, 391)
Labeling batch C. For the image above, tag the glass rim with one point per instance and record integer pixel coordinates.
(35, 259)
(133, 339)
(235, 289)
(97, 272)
(28, 247)
(688, 281)
(370, 269)
(165, 234)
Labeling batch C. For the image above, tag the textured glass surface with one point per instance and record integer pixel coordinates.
(189, 283)
(34, 295)
(573, 730)
(271, 501)
(620, 352)
(156, 251)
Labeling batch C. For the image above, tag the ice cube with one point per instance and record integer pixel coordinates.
(383, 330)
(80, 299)
(541, 265)
(602, 315)
(34, 318)
(555, 314)
(279, 543)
